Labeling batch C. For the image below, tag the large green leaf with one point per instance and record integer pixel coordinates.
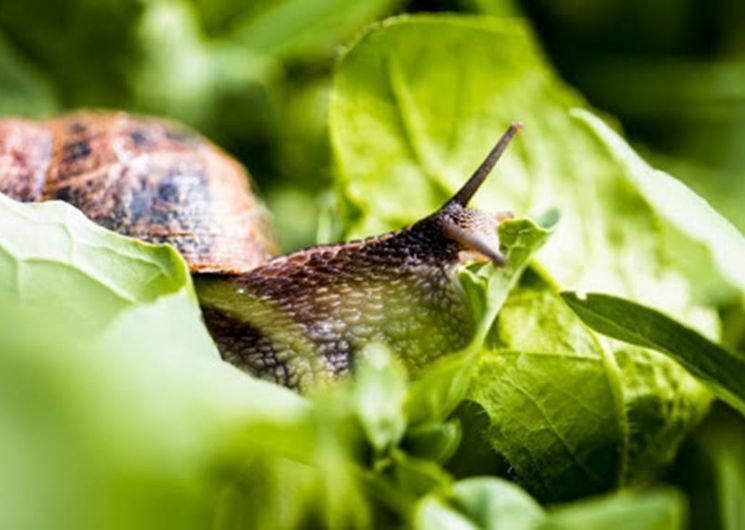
(721, 370)
(117, 412)
(129, 431)
(417, 102)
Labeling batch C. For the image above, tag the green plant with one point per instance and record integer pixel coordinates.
(564, 412)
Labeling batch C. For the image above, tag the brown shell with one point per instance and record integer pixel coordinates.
(143, 177)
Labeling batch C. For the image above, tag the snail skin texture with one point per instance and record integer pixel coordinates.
(293, 319)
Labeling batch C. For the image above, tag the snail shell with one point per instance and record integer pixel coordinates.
(143, 177)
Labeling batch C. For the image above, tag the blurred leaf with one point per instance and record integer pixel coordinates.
(499, 8)
(116, 410)
(380, 392)
(111, 434)
(307, 28)
(435, 442)
(661, 509)
(723, 188)
(433, 514)
(23, 90)
(400, 480)
(711, 470)
(495, 504)
(440, 388)
(295, 214)
(186, 75)
(86, 47)
(722, 371)
(290, 29)
(220, 16)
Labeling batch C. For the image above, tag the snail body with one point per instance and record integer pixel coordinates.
(292, 319)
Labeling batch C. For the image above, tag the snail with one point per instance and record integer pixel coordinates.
(293, 319)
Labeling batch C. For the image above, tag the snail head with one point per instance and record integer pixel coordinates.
(475, 230)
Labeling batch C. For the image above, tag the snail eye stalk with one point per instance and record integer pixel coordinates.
(469, 189)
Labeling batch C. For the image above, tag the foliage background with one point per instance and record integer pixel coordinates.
(255, 77)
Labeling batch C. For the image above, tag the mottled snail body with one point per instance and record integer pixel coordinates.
(292, 319)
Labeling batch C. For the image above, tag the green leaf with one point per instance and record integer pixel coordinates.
(432, 513)
(117, 411)
(662, 402)
(721, 370)
(500, 8)
(22, 90)
(711, 470)
(661, 509)
(699, 226)
(495, 504)
(379, 393)
(115, 435)
(571, 415)
(307, 28)
(52, 258)
(487, 286)
(554, 398)
(400, 480)
(440, 388)
(434, 441)
(419, 100)
(479, 504)
(444, 384)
